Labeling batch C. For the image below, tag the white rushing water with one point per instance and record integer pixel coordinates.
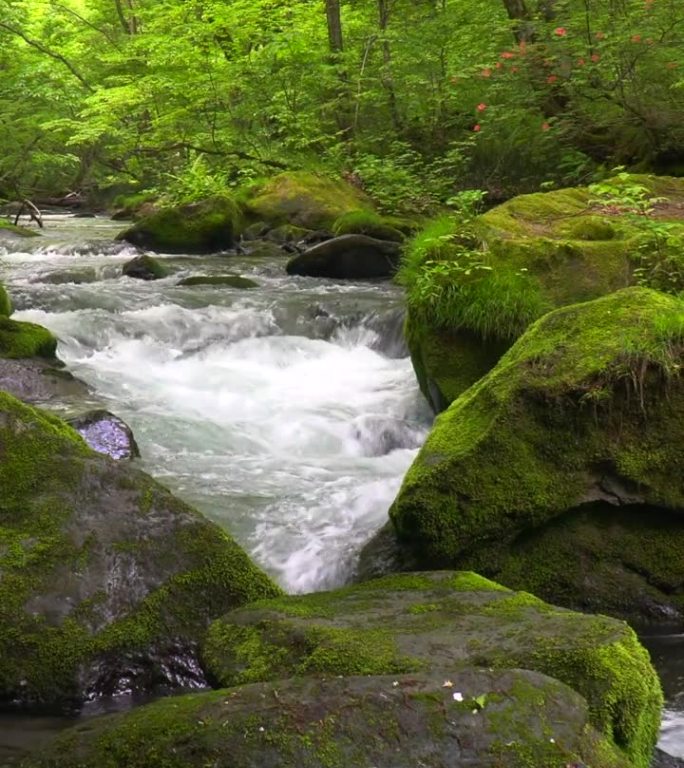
(284, 413)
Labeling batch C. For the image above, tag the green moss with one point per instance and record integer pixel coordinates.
(518, 447)
(6, 226)
(417, 622)
(587, 405)
(204, 227)
(233, 281)
(303, 199)
(5, 302)
(343, 723)
(365, 222)
(22, 340)
(494, 276)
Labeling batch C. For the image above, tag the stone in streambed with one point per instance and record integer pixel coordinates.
(145, 268)
(428, 622)
(106, 433)
(232, 281)
(39, 381)
(512, 718)
(107, 581)
(348, 257)
(207, 226)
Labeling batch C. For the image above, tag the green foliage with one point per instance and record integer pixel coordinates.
(188, 97)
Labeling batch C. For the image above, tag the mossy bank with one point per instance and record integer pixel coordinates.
(475, 284)
(584, 415)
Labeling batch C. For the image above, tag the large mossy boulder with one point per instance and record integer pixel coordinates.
(561, 471)
(107, 582)
(475, 285)
(348, 257)
(442, 622)
(511, 718)
(303, 199)
(204, 227)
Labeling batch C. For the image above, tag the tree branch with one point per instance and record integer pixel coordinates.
(52, 54)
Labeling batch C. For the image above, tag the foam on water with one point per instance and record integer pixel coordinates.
(296, 444)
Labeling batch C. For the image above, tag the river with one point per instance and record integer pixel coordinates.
(288, 413)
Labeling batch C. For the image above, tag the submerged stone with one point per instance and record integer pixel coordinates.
(561, 471)
(232, 281)
(443, 622)
(145, 268)
(106, 433)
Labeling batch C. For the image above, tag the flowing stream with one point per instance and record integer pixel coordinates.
(288, 413)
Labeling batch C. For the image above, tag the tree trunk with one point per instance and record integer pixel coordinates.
(518, 12)
(387, 80)
(332, 10)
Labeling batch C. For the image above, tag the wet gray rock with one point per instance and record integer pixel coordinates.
(348, 257)
(39, 381)
(663, 760)
(106, 433)
(107, 581)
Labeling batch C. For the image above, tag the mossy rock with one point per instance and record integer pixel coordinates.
(427, 622)
(5, 302)
(586, 407)
(204, 227)
(369, 223)
(232, 281)
(521, 259)
(24, 340)
(133, 206)
(12, 230)
(145, 268)
(302, 199)
(107, 582)
(511, 718)
(286, 234)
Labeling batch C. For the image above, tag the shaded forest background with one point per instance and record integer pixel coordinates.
(413, 100)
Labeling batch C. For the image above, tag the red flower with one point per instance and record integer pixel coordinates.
(595, 57)
(486, 72)
(560, 31)
(551, 79)
(481, 107)
(581, 62)
(545, 127)
(477, 128)
(636, 38)
(507, 55)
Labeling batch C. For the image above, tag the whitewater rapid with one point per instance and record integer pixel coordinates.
(288, 413)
